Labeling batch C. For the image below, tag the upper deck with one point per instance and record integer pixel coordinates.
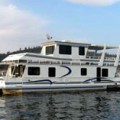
(71, 52)
(65, 49)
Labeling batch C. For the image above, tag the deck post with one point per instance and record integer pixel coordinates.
(102, 57)
(117, 57)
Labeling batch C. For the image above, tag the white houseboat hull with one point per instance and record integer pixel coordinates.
(58, 87)
(61, 66)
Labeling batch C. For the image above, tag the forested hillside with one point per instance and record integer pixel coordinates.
(29, 49)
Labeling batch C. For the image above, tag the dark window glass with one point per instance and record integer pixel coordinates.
(52, 72)
(49, 50)
(104, 72)
(65, 49)
(81, 50)
(33, 71)
(18, 70)
(83, 71)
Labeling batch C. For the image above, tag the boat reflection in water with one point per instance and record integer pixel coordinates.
(79, 106)
(2, 109)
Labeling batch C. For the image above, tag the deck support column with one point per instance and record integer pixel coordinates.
(117, 57)
(102, 57)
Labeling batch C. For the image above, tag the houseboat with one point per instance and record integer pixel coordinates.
(61, 66)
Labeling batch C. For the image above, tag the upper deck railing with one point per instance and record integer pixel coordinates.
(86, 61)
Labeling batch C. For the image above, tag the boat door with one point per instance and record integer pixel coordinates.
(98, 74)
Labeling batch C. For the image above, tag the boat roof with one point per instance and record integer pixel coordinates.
(14, 57)
(30, 56)
(65, 42)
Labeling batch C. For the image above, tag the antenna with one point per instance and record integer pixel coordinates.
(48, 36)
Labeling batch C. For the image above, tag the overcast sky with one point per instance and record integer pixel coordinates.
(25, 23)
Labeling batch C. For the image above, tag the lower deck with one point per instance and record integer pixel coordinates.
(56, 78)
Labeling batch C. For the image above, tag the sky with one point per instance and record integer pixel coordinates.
(25, 23)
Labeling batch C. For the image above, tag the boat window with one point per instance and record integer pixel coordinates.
(81, 50)
(33, 71)
(49, 50)
(104, 72)
(83, 71)
(52, 72)
(22, 61)
(3, 69)
(65, 49)
(18, 70)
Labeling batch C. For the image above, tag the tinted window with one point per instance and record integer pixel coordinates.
(65, 49)
(33, 71)
(104, 72)
(52, 72)
(17, 70)
(81, 50)
(83, 71)
(49, 50)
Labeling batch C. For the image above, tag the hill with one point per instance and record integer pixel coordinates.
(36, 49)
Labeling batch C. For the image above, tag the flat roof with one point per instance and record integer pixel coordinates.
(65, 42)
(14, 57)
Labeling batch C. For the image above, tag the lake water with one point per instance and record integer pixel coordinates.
(77, 106)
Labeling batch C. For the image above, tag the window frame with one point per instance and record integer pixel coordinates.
(65, 49)
(51, 72)
(49, 50)
(37, 74)
(105, 72)
(83, 71)
(81, 50)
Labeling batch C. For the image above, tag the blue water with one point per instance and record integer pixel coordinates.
(74, 106)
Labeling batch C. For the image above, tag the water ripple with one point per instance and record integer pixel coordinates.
(79, 106)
